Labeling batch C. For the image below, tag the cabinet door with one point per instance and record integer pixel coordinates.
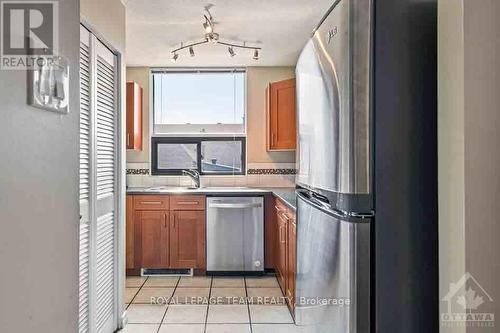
(187, 239)
(281, 262)
(134, 116)
(292, 259)
(282, 134)
(151, 239)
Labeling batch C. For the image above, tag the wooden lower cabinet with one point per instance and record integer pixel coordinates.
(187, 239)
(160, 236)
(285, 259)
(151, 239)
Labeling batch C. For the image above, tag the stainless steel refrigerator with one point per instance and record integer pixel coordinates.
(366, 182)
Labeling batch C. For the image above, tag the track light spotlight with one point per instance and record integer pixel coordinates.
(256, 54)
(231, 51)
(191, 51)
(208, 27)
(175, 57)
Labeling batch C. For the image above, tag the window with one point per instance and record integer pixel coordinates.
(208, 155)
(203, 101)
(199, 122)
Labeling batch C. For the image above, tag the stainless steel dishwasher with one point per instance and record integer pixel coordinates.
(235, 234)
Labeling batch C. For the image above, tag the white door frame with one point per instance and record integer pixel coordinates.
(120, 184)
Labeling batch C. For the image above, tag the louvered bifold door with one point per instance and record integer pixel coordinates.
(85, 180)
(105, 173)
(98, 161)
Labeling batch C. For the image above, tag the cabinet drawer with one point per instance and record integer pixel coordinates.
(187, 202)
(151, 202)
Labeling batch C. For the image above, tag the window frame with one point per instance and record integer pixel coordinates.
(201, 130)
(155, 171)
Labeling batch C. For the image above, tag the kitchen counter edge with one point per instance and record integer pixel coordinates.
(285, 194)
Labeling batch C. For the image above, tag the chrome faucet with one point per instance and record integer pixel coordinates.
(194, 175)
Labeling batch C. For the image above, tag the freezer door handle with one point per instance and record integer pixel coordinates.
(362, 215)
(235, 205)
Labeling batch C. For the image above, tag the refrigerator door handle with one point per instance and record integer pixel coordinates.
(304, 195)
(323, 206)
(362, 215)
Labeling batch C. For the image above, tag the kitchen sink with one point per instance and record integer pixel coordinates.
(208, 189)
(170, 189)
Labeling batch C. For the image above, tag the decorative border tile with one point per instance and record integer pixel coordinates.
(137, 171)
(249, 171)
(272, 171)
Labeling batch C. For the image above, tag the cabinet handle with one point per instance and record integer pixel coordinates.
(128, 139)
(165, 220)
(174, 220)
(273, 139)
(151, 202)
(188, 202)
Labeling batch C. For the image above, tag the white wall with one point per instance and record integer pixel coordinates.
(108, 17)
(39, 213)
(469, 154)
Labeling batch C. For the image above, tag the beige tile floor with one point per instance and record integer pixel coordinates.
(206, 305)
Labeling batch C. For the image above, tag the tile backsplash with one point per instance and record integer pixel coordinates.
(258, 175)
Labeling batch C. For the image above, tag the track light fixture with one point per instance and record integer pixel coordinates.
(256, 54)
(213, 37)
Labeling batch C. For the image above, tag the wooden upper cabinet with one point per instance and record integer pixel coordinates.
(134, 116)
(151, 239)
(187, 239)
(281, 115)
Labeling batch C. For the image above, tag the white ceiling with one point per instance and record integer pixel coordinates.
(280, 27)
